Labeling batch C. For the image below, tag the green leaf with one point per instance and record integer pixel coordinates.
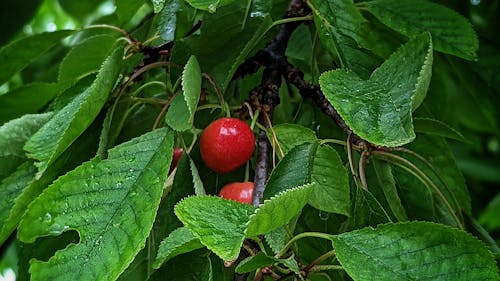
(126, 9)
(451, 32)
(19, 54)
(112, 203)
(28, 189)
(253, 263)
(291, 135)
(67, 124)
(414, 251)
(379, 109)
(180, 116)
(209, 5)
(182, 187)
(80, 9)
(278, 210)
(437, 151)
(367, 210)
(438, 128)
(217, 222)
(42, 249)
(10, 189)
(157, 5)
(179, 241)
(277, 238)
(29, 98)
(489, 216)
(13, 136)
(331, 192)
(291, 263)
(193, 266)
(226, 25)
(339, 23)
(220, 271)
(388, 185)
(86, 57)
(197, 183)
(168, 19)
(293, 170)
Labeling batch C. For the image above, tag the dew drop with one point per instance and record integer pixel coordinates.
(212, 8)
(323, 216)
(47, 217)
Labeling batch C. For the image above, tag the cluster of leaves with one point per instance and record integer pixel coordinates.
(90, 117)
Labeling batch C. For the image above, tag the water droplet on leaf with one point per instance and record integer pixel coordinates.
(47, 218)
(212, 8)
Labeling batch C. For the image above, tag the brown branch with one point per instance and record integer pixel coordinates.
(265, 97)
(273, 56)
(306, 90)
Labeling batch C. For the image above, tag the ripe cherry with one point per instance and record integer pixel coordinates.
(226, 144)
(175, 158)
(238, 191)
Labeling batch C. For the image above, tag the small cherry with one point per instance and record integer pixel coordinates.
(238, 191)
(226, 144)
(175, 158)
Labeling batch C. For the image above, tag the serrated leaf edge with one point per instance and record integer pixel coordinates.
(426, 68)
(448, 227)
(279, 194)
(194, 232)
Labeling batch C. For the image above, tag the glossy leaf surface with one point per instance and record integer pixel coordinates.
(112, 204)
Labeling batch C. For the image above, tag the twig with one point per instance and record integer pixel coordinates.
(262, 167)
(265, 97)
(273, 56)
(163, 111)
(362, 166)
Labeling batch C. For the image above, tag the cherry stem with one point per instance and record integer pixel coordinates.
(211, 80)
(300, 236)
(250, 110)
(319, 259)
(150, 84)
(325, 267)
(138, 73)
(275, 139)
(115, 28)
(163, 111)
(415, 171)
(154, 101)
(254, 119)
(209, 106)
(432, 168)
(352, 161)
(335, 141)
(289, 20)
(247, 171)
(361, 168)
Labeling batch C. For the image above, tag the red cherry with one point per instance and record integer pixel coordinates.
(176, 157)
(226, 144)
(238, 191)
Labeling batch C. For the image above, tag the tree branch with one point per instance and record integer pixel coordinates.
(265, 97)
